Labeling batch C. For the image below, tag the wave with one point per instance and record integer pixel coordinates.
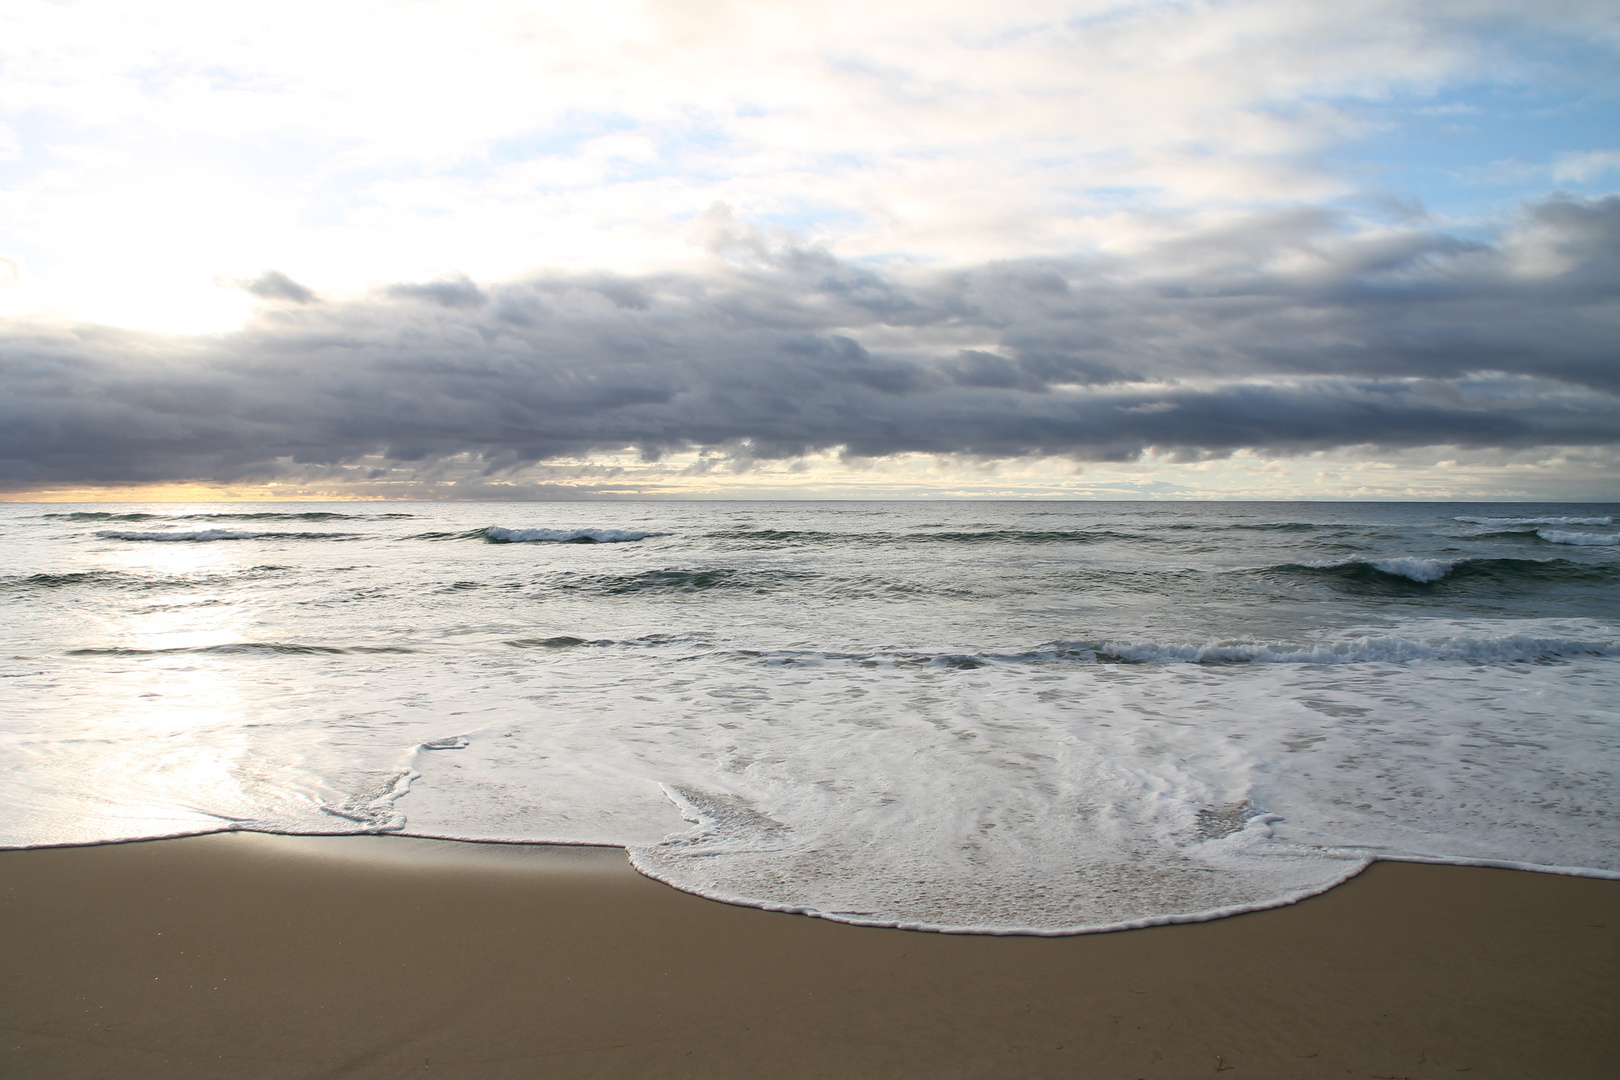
(313, 515)
(1370, 649)
(680, 581)
(496, 534)
(995, 536)
(787, 536)
(1245, 526)
(1579, 539)
(562, 641)
(65, 581)
(1022, 536)
(1607, 520)
(1415, 572)
(241, 647)
(206, 535)
(119, 580)
(1381, 648)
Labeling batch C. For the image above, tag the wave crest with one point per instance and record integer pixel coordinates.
(1607, 520)
(1413, 572)
(1576, 539)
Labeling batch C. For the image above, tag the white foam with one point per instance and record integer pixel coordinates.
(1421, 570)
(563, 536)
(1607, 520)
(1579, 539)
(901, 753)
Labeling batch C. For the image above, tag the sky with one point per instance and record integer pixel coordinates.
(1360, 249)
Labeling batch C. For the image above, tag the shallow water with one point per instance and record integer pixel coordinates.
(1015, 717)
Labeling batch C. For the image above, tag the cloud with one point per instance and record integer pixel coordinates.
(1279, 333)
(274, 285)
(1586, 165)
(161, 145)
(458, 293)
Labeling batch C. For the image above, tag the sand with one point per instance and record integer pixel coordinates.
(257, 956)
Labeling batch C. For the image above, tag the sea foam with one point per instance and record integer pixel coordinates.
(1577, 539)
(1191, 712)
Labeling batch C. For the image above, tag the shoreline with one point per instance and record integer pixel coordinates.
(408, 848)
(256, 955)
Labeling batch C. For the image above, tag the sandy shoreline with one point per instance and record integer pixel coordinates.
(254, 956)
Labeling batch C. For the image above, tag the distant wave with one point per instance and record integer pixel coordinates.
(1245, 526)
(66, 580)
(313, 515)
(248, 647)
(786, 536)
(496, 534)
(993, 536)
(655, 581)
(1370, 649)
(119, 580)
(206, 535)
(1375, 648)
(1537, 520)
(1417, 571)
(562, 641)
(1023, 536)
(1579, 539)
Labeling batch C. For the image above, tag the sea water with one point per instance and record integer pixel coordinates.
(1007, 717)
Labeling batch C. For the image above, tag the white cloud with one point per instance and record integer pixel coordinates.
(350, 144)
(1586, 166)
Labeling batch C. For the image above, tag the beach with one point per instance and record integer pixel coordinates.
(248, 955)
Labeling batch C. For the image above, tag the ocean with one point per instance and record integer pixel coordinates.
(1021, 717)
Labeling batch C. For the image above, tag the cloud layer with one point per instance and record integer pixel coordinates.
(147, 150)
(1282, 333)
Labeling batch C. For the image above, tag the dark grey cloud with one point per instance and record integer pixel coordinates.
(1283, 334)
(274, 285)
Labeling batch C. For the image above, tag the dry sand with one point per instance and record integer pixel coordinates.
(257, 956)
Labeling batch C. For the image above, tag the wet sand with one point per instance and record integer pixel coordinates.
(248, 956)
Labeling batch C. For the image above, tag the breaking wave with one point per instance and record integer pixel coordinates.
(1577, 539)
(1409, 572)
